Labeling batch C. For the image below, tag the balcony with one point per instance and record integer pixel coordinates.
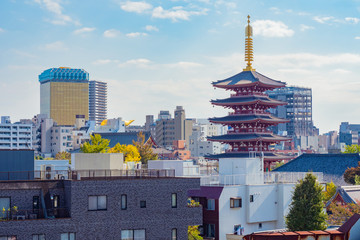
(27, 214)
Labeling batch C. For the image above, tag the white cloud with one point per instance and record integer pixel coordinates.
(140, 62)
(176, 13)
(103, 61)
(304, 27)
(138, 7)
(84, 30)
(322, 20)
(357, 38)
(111, 33)
(151, 28)
(2, 30)
(185, 65)
(54, 7)
(55, 46)
(136, 34)
(269, 28)
(352, 20)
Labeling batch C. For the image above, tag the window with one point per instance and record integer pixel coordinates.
(174, 234)
(12, 237)
(38, 236)
(173, 200)
(36, 202)
(4, 204)
(123, 202)
(68, 236)
(260, 225)
(97, 203)
(137, 234)
(210, 204)
(251, 198)
(142, 204)
(210, 230)
(235, 203)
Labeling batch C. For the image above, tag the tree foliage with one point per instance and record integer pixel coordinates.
(340, 213)
(354, 148)
(145, 149)
(278, 164)
(306, 209)
(350, 174)
(193, 233)
(330, 191)
(97, 144)
(63, 156)
(131, 154)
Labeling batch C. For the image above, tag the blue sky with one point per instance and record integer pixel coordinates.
(156, 55)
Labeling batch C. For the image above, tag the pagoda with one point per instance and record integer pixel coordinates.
(249, 120)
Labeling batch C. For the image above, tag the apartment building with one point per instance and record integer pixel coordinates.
(117, 207)
(15, 135)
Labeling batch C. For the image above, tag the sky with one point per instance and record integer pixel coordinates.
(156, 55)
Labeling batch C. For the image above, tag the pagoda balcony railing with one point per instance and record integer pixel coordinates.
(251, 130)
(250, 112)
(247, 94)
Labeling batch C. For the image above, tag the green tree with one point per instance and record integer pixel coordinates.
(278, 164)
(340, 213)
(306, 209)
(354, 148)
(145, 149)
(63, 156)
(330, 191)
(131, 154)
(97, 144)
(193, 233)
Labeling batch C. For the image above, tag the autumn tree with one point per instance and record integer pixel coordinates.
(63, 156)
(193, 233)
(330, 191)
(97, 144)
(306, 209)
(131, 153)
(144, 148)
(340, 213)
(350, 174)
(354, 148)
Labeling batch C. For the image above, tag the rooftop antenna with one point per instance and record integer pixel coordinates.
(248, 46)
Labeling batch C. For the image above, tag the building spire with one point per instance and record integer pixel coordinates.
(248, 46)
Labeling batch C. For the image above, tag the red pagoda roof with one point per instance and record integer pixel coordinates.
(246, 79)
(264, 118)
(247, 100)
(248, 137)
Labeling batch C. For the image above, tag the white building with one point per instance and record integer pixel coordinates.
(97, 101)
(15, 135)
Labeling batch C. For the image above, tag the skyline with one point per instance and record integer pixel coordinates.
(157, 55)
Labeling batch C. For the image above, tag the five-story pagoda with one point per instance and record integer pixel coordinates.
(249, 121)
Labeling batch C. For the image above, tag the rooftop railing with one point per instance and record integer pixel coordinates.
(86, 174)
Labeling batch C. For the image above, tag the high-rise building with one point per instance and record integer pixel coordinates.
(15, 135)
(97, 101)
(298, 111)
(64, 93)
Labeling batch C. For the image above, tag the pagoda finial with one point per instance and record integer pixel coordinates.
(248, 46)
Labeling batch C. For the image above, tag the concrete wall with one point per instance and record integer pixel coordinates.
(21, 161)
(241, 170)
(86, 161)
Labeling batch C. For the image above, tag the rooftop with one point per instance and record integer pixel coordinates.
(63, 74)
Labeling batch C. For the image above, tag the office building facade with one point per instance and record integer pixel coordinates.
(15, 135)
(97, 101)
(64, 93)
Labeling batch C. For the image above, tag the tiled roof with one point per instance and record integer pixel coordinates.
(247, 100)
(247, 137)
(350, 194)
(250, 117)
(247, 78)
(123, 137)
(327, 163)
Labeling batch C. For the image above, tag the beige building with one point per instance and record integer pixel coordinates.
(64, 93)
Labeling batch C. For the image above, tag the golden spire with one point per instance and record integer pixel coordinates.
(248, 47)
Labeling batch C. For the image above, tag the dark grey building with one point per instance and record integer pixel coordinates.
(97, 101)
(16, 164)
(298, 110)
(152, 207)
